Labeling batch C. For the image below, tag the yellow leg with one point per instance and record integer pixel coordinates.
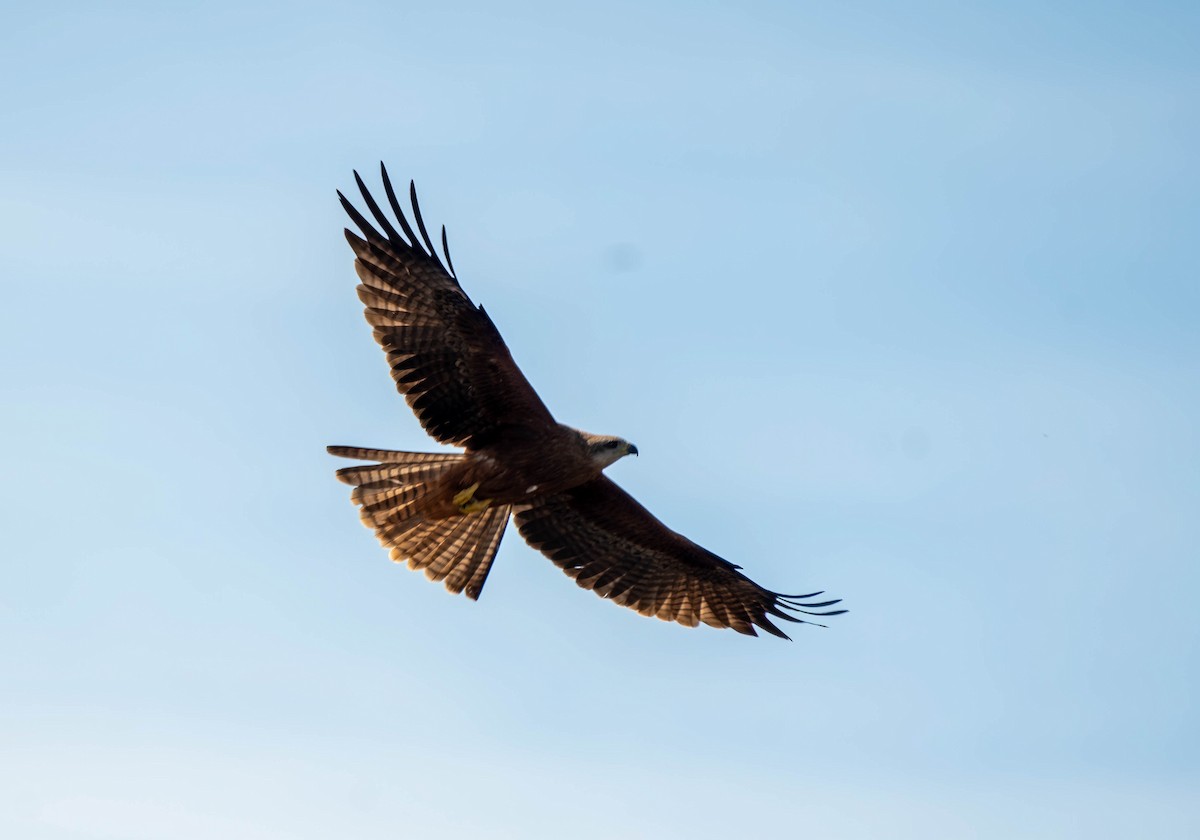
(467, 503)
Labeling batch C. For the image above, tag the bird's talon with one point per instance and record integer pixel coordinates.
(465, 496)
(467, 503)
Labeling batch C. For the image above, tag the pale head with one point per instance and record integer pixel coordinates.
(605, 449)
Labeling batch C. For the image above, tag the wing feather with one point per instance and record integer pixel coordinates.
(447, 357)
(600, 536)
(391, 197)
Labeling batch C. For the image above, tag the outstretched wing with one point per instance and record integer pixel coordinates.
(446, 355)
(600, 536)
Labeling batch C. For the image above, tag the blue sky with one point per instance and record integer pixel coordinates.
(896, 301)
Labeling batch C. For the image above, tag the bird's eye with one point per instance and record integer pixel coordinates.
(612, 444)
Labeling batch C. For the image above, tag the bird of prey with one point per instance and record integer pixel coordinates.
(446, 512)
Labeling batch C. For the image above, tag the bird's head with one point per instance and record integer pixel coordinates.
(605, 449)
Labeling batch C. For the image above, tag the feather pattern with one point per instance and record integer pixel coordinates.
(447, 357)
(458, 550)
(603, 539)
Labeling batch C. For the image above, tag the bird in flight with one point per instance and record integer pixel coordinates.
(446, 512)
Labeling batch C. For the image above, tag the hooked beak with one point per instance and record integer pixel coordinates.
(630, 449)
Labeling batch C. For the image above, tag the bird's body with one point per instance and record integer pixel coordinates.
(445, 513)
(513, 470)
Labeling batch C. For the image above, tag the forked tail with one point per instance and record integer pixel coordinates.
(392, 495)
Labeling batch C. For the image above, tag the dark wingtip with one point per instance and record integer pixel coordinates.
(392, 234)
(416, 207)
(798, 604)
(390, 191)
(811, 605)
(358, 218)
(410, 238)
(446, 251)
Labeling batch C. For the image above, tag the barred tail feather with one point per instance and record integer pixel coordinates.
(458, 550)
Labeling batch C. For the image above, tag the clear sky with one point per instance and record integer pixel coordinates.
(899, 301)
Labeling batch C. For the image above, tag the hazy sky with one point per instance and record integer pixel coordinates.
(899, 301)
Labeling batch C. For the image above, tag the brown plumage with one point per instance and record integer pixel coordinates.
(445, 513)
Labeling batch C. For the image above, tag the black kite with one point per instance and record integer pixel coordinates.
(446, 512)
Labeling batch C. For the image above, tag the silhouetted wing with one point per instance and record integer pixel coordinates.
(600, 536)
(446, 355)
